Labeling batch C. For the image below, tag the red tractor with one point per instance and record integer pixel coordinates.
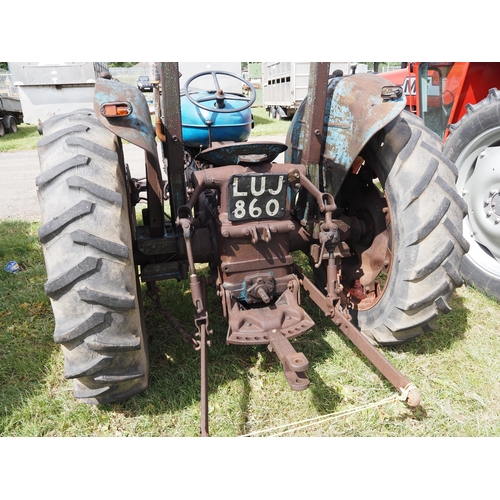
(461, 104)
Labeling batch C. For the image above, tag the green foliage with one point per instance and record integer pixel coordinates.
(121, 64)
(377, 66)
(4, 65)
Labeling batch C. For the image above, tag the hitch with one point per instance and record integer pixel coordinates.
(294, 363)
(394, 376)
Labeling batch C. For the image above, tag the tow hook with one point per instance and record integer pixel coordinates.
(294, 363)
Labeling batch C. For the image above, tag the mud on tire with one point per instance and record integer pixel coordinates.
(425, 232)
(87, 244)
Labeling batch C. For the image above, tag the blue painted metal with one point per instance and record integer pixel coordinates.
(354, 112)
(234, 127)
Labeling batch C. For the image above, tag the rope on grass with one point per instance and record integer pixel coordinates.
(295, 426)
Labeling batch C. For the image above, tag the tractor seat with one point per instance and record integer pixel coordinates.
(242, 152)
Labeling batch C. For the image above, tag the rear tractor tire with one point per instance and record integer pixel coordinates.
(86, 238)
(409, 266)
(474, 146)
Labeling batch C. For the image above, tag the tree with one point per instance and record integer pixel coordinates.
(375, 66)
(4, 65)
(121, 64)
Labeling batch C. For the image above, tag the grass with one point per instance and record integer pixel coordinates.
(25, 138)
(267, 126)
(456, 367)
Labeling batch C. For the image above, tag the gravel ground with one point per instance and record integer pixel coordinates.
(19, 170)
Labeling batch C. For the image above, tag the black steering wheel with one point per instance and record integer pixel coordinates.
(219, 95)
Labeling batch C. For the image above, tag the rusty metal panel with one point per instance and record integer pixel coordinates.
(313, 119)
(173, 147)
(137, 129)
(357, 112)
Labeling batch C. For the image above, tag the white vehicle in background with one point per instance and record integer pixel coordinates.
(48, 88)
(11, 113)
(284, 84)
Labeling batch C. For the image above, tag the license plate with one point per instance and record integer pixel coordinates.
(254, 197)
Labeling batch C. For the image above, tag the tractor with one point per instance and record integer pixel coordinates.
(460, 102)
(364, 195)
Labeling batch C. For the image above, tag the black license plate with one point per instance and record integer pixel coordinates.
(255, 197)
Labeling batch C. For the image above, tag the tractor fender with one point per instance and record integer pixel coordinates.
(135, 128)
(354, 112)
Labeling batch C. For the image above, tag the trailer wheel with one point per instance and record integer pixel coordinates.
(474, 146)
(409, 258)
(2, 129)
(86, 239)
(10, 124)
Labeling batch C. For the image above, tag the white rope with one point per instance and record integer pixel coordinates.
(332, 416)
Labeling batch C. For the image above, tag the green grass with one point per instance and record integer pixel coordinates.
(456, 367)
(267, 126)
(25, 138)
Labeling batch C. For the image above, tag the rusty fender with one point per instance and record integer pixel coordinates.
(137, 129)
(355, 111)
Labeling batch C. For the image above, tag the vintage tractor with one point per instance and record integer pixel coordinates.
(365, 193)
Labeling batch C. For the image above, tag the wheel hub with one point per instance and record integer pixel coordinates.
(481, 191)
(373, 258)
(495, 204)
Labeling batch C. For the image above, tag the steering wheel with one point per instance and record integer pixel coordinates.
(219, 95)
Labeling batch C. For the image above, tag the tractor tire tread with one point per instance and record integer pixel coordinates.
(87, 243)
(426, 259)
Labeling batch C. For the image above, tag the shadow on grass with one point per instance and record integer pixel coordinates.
(262, 120)
(26, 345)
(175, 365)
(448, 330)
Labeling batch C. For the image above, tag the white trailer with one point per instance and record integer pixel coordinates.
(284, 84)
(11, 113)
(47, 89)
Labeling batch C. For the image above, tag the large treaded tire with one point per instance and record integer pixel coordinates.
(477, 182)
(87, 244)
(424, 229)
